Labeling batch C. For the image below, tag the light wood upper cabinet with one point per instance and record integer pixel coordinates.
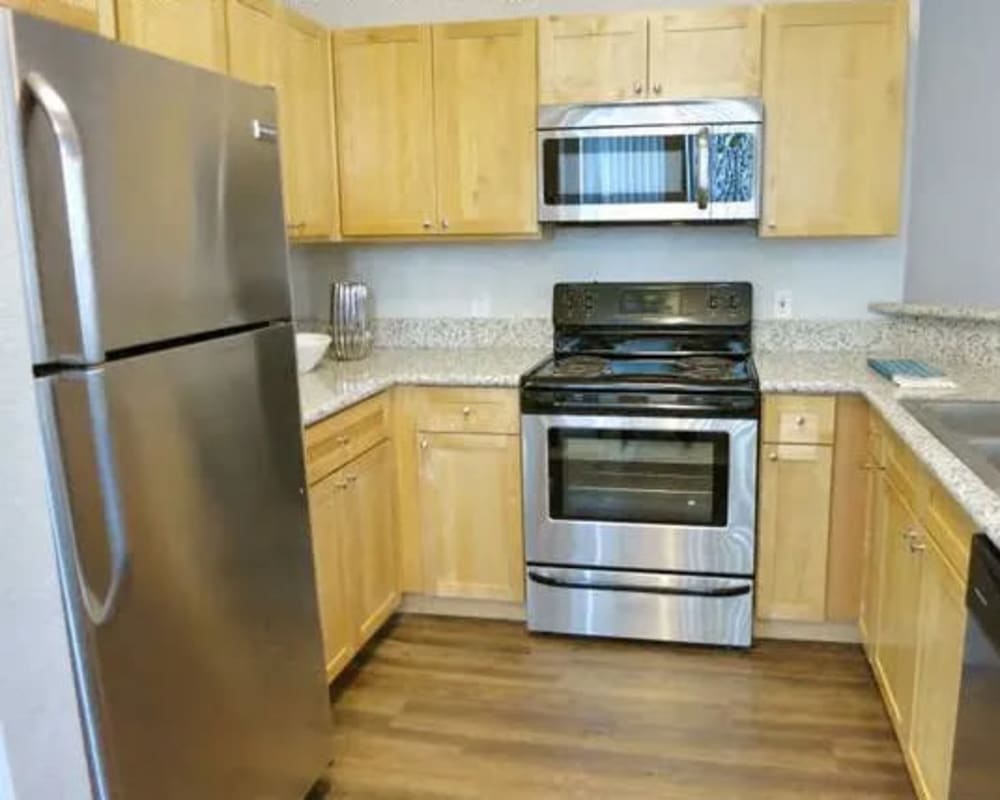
(793, 531)
(470, 500)
(485, 113)
(253, 38)
(384, 97)
(896, 647)
(589, 59)
(330, 522)
(940, 644)
(705, 52)
(97, 16)
(371, 539)
(834, 89)
(193, 31)
(306, 129)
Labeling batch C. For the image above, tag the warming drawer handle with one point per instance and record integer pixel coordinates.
(39, 91)
(728, 591)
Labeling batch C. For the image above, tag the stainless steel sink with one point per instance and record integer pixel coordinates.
(970, 429)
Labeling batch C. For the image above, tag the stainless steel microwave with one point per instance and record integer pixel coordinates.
(691, 161)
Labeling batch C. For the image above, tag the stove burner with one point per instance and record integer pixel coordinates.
(579, 366)
(707, 368)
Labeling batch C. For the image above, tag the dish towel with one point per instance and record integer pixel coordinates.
(907, 373)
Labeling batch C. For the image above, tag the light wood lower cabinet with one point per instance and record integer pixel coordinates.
(941, 619)
(470, 501)
(355, 546)
(896, 645)
(874, 542)
(794, 529)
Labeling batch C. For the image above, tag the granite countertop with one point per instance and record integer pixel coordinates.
(335, 385)
(829, 373)
(924, 311)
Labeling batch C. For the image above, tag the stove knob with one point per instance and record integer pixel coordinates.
(734, 301)
(713, 302)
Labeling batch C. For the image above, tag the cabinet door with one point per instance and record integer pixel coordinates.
(305, 96)
(252, 32)
(589, 59)
(712, 52)
(794, 524)
(328, 501)
(485, 115)
(896, 645)
(941, 614)
(385, 139)
(372, 539)
(874, 554)
(193, 31)
(834, 89)
(97, 16)
(470, 497)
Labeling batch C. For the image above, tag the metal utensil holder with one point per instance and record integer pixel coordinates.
(351, 320)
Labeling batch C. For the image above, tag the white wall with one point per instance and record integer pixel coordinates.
(954, 237)
(829, 279)
(38, 711)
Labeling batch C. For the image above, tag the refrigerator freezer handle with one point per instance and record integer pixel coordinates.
(100, 611)
(37, 90)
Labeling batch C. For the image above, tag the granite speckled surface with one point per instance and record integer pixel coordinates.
(827, 373)
(920, 311)
(335, 385)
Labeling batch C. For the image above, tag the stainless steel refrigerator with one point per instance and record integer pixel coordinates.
(156, 268)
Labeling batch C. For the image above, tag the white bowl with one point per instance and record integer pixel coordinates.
(310, 349)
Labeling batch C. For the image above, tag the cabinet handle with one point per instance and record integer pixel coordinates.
(637, 87)
(772, 456)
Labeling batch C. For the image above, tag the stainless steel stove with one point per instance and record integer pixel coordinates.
(640, 464)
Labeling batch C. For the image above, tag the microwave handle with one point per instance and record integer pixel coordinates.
(702, 172)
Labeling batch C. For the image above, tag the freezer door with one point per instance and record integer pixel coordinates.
(178, 481)
(153, 191)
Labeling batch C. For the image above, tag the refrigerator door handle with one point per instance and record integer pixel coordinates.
(100, 610)
(38, 91)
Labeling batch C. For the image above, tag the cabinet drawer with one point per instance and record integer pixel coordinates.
(335, 441)
(799, 419)
(469, 411)
(951, 529)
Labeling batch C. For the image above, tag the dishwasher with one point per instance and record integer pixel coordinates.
(975, 767)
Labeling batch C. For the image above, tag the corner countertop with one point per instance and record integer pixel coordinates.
(841, 373)
(335, 386)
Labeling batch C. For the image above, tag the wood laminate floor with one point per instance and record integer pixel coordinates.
(450, 708)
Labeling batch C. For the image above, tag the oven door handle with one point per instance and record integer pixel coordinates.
(722, 591)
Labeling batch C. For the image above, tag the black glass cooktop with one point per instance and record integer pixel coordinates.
(694, 373)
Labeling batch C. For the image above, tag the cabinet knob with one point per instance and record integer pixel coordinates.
(800, 421)
(772, 456)
(343, 440)
(423, 444)
(342, 484)
(428, 224)
(444, 223)
(637, 87)
(466, 411)
(657, 88)
(917, 545)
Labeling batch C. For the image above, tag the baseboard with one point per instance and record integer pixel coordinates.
(844, 632)
(461, 607)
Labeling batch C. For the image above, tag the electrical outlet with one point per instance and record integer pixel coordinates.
(783, 304)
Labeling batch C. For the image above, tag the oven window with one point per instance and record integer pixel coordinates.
(653, 477)
(616, 170)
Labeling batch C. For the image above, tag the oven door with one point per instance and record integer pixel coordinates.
(652, 173)
(644, 493)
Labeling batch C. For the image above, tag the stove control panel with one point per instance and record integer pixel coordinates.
(660, 304)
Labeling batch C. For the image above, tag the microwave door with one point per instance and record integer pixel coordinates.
(734, 172)
(625, 174)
